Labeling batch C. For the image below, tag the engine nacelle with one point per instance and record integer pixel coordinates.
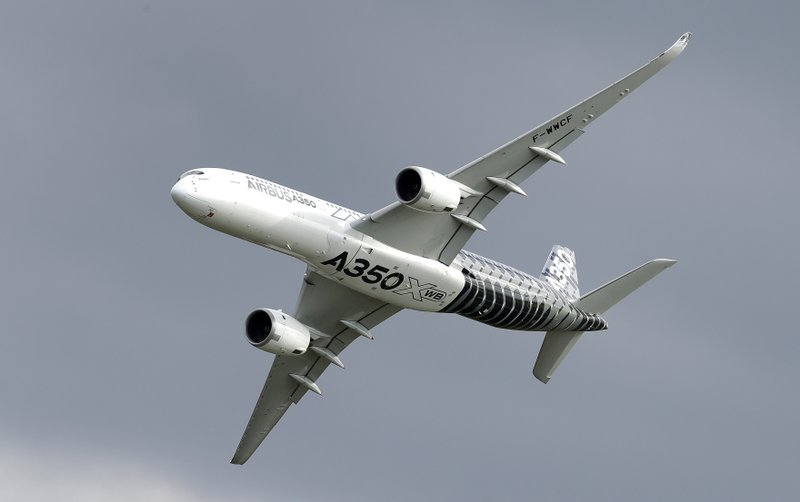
(273, 331)
(426, 190)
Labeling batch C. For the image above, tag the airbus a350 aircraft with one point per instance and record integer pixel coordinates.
(364, 268)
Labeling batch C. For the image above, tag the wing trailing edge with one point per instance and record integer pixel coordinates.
(440, 236)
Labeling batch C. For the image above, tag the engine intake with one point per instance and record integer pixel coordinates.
(426, 190)
(273, 331)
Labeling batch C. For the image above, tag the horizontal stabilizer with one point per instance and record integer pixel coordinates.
(557, 344)
(555, 347)
(609, 294)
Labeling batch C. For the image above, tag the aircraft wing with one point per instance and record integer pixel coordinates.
(441, 236)
(322, 305)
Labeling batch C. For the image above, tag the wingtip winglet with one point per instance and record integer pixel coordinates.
(666, 262)
(676, 48)
(680, 44)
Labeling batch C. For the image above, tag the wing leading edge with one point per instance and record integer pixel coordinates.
(323, 305)
(441, 236)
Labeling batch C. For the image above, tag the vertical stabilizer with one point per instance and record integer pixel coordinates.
(560, 272)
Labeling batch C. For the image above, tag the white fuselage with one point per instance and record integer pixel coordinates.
(318, 233)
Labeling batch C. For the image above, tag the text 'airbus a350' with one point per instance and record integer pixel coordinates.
(364, 268)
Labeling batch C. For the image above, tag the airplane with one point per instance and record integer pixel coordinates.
(364, 268)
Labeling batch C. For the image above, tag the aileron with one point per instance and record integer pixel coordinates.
(291, 377)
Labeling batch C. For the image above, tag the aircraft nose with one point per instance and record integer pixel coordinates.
(179, 192)
(185, 196)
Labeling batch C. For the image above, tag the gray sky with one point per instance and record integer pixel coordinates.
(124, 373)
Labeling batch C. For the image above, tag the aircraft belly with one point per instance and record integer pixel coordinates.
(503, 297)
(388, 274)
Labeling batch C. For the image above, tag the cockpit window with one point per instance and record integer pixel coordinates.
(190, 173)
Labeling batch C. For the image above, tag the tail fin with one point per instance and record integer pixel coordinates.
(557, 344)
(560, 272)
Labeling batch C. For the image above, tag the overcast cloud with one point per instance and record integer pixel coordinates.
(124, 373)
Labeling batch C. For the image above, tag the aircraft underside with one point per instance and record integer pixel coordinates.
(365, 268)
(504, 297)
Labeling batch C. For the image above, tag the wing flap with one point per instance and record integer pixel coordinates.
(339, 341)
(270, 407)
(321, 306)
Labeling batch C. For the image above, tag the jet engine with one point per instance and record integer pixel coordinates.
(426, 190)
(273, 331)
